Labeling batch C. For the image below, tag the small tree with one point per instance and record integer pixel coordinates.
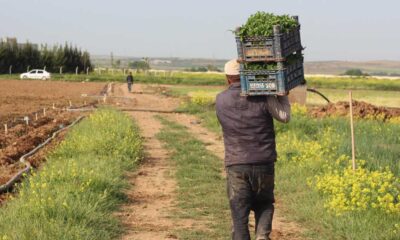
(118, 63)
(355, 72)
(140, 65)
(213, 68)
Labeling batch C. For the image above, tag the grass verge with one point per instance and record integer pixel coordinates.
(74, 194)
(202, 191)
(310, 148)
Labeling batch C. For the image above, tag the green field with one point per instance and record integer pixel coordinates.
(376, 97)
(75, 194)
(215, 79)
(314, 183)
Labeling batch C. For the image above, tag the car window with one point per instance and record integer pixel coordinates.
(33, 71)
(40, 71)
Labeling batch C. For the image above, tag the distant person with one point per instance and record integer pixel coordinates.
(129, 80)
(250, 154)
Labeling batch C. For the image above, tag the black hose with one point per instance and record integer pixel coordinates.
(317, 92)
(7, 186)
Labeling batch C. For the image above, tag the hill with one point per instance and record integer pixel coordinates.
(378, 68)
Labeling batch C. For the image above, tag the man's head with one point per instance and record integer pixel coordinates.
(232, 71)
(130, 73)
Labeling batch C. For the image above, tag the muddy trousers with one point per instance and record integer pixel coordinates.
(251, 188)
(130, 86)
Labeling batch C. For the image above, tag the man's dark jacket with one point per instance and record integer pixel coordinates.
(248, 128)
(129, 79)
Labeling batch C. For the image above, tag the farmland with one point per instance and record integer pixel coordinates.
(183, 147)
(35, 100)
(314, 166)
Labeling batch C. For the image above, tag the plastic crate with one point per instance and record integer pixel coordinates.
(265, 49)
(271, 82)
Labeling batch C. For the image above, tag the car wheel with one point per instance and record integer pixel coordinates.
(24, 77)
(43, 78)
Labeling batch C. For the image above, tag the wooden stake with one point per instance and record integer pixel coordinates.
(36, 116)
(5, 129)
(353, 148)
(70, 103)
(54, 106)
(44, 111)
(26, 118)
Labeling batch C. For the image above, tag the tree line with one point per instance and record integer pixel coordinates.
(21, 57)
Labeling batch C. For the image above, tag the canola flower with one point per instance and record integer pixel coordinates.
(395, 120)
(202, 98)
(298, 109)
(343, 189)
(347, 190)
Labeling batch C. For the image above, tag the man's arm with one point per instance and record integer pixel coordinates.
(279, 108)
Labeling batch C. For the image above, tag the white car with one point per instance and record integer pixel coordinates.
(36, 74)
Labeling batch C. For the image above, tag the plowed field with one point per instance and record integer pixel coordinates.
(19, 99)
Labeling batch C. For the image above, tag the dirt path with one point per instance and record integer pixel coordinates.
(282, 229)
(151, 199)
(153, 193)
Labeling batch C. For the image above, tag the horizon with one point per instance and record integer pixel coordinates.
(205, 58)
(331, 31)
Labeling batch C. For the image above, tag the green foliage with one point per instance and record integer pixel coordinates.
(208, 68)
(366, 83)
(74, 194)
(212, 68)
(141, 65)
(197, 69)
(27, 56)
(291, 59)
(355, 72)
(262, 24)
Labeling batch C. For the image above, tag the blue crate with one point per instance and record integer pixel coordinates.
(269, 49)
(271, 82)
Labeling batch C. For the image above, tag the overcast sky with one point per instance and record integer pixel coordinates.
(331, 29)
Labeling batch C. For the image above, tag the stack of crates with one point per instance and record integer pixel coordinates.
(275, 49)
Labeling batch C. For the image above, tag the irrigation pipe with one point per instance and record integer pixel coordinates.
(7, 186)
(317, 92)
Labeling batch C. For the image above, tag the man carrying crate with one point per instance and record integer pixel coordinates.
(250, 154)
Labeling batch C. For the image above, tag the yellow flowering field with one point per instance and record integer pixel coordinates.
(316, 182)
(202, 98)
